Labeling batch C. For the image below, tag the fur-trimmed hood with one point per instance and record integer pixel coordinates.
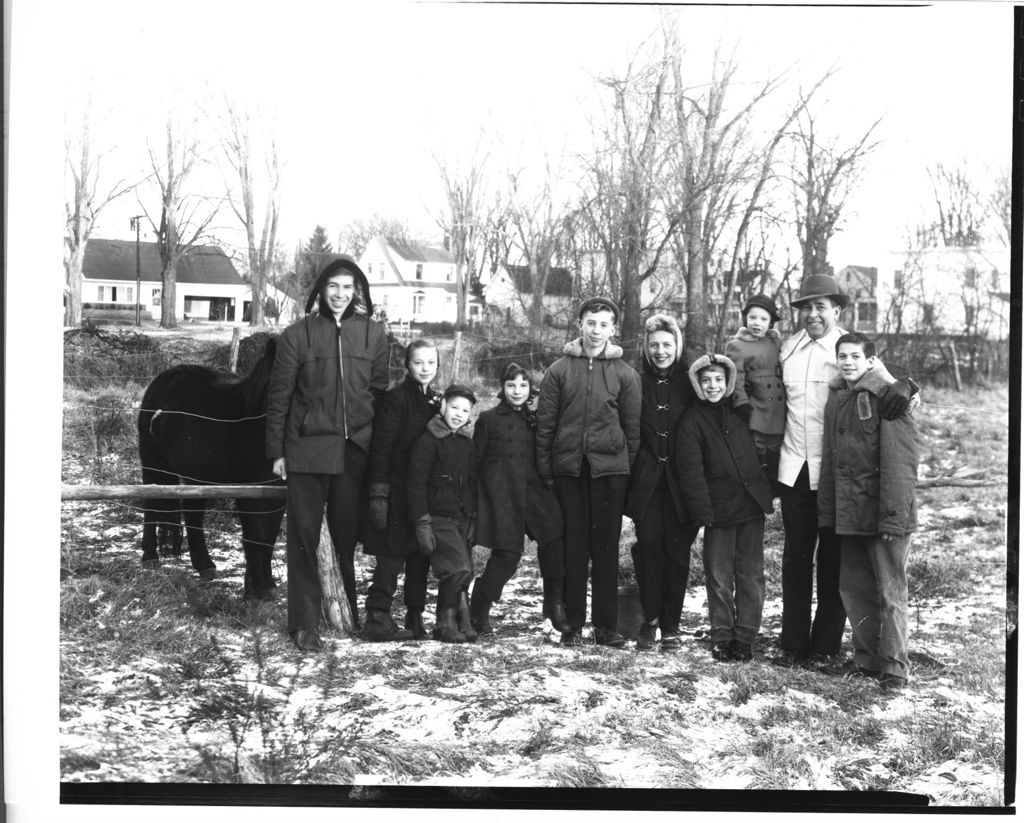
(574, 348)
(713, 360)
(439, 429)
(873, 380)
(744, 335)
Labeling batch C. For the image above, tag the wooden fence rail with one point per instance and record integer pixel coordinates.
(155, 490)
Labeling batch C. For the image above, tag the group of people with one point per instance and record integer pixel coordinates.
(678, 447)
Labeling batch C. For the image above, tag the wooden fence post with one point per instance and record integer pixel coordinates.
(956, 366)
(236, 336)
(335, 602)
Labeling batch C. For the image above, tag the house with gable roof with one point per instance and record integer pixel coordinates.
(509, 292)
(208, 287)
(414, 282)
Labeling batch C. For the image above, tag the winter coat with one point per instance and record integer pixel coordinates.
(442, 473)
(588, 407)
(326, 379)
(664, 401)
(401, 418)
(759, 379)
(716, 461)
(509, 485)
(868, 464)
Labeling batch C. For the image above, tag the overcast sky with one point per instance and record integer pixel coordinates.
(363, 95)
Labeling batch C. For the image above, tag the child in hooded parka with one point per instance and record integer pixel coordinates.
(760, 395)
(513, 502)
(725, 491)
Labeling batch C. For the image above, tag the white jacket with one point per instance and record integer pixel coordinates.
(807, 367)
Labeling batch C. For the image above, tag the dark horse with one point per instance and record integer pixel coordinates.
(200, 425)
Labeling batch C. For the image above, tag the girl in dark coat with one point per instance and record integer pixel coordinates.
(725, 491)
(513, 503)
(661, 554)
(400, 420)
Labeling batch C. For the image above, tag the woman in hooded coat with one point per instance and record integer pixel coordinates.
(330, 370)
(661, 554)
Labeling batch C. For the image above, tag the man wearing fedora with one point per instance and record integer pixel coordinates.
(808, 364)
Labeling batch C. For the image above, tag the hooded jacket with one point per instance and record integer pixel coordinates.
(716, 461)
(442, 473)
(868, 464)
(327, 376)
(588, 407)
(665, 399)
(759, 379)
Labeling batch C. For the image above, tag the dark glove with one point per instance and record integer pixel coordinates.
(425, 536)
(894, 399)
(744, 411)
(471, 532)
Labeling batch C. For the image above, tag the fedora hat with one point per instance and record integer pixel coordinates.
(820, 285)
(761, 301)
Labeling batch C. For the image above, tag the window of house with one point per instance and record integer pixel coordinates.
(384, 300)
(188, 305)
(419, 271)
(449, 299)
(130, 294)
(369, 269)
(867, 314)
(474, 310)
(450, 274)
(101, 294)
(113, 294)
(417, 303)
(928, 313)
(970, 316)
(156, 297)
(971, 277)
(897, 279)
(995, 280)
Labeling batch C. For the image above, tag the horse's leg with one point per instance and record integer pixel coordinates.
(261, 524)
(169, 534)
(150, 526)
(195, 510)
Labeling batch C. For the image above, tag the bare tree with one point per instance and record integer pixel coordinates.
(537, 223)
(999, 204)
(961, 211)
(824, 174)
(184, 218)
(85, 198)
(237, 143)
(622, 198)
(356, 235)
(461, 221)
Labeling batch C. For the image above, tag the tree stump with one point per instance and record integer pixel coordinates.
(334, 600)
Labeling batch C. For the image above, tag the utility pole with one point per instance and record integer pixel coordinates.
(135, 223)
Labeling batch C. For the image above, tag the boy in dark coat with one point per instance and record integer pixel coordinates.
(442, 508)
(588, 434)
(513, 502)
(661, 554)
(866, 492)
(760, 396)
(726, 492)
(400, 420)
(331, 368)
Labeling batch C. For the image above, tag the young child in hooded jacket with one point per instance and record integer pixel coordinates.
(725, 491)
(866, 492)
(760, 396)
(442, 494)
(513, 503)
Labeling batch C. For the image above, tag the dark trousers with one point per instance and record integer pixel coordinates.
(384, 582)
(307, 496)
(661, 560)
(800, 520)
(734, 577)
(592, 510)
(451, 562)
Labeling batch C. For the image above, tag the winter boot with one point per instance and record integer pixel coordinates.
(554, 604)
(448, 631)
(480, 610)
(646, 636)
(414, 622)
(380, 627)
(464, 619)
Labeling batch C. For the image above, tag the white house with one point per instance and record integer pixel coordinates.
(414, 282)
(948, 290)
(208, 287)
(509, 293)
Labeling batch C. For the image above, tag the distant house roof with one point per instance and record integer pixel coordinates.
(420, 252)
(115, 260)
(559, 283)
